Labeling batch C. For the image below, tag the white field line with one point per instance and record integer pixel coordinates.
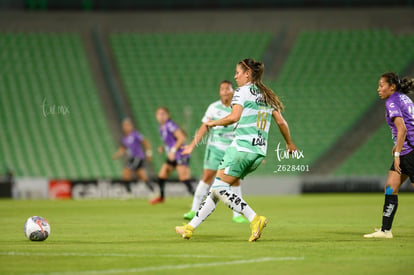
(110, 255)
(175, 267)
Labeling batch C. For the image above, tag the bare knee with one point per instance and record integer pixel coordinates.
(208, 176)
(237, 183)
(394, 182)
(226, 178)
(126, 174)
(164, 171)
(391, 189)
(142, 175)
(183, 172)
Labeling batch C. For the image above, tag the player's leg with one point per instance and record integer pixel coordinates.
(212, 159)
(142, 175)
(184, 175)
(392, 186)
(222, 190)
(206, 208)
(200, 192)
(163, 175)
(126, 173)
(235, 165)
(237, 217)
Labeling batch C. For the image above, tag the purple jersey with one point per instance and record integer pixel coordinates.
(167, 134)
(400, 105)
(132, 143)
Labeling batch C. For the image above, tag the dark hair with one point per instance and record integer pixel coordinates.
(404, 85)
(257, 69)
(164, 108)
(226, 82)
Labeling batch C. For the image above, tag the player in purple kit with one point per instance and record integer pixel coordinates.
(173, 138)
(134, 144)
(400, 117)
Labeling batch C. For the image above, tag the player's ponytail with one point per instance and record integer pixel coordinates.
(404, 85)
(257, 69)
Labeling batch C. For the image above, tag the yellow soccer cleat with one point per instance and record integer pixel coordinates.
(257, 225)
(186, 231)
(387, 234)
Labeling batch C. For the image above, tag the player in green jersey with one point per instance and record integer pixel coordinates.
(253, 106)
(219, 138)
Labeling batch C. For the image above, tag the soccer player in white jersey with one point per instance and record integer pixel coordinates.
(219, 139)
(253, 106)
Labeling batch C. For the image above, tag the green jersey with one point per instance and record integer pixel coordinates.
(252, 130)
(220, 137)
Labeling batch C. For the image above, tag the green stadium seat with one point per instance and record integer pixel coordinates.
(52, 67)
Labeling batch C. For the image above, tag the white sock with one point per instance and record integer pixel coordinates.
(222, 190)
(237, 191)
(200, 193)
(206, 208)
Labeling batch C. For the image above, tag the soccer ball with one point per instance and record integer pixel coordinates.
(36, 228)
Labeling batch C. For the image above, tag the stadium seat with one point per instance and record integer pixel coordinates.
(39, 72)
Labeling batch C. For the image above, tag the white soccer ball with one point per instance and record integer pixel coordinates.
(36, 228)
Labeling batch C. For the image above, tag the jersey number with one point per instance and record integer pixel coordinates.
(262, 120)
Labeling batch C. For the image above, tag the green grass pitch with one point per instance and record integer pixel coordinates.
(308, 234)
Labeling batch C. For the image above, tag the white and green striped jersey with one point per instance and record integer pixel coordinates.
(251, 134)
(220, 137)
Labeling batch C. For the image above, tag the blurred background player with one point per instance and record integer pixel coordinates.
(173, 138)
(400, 118)
(138, 149)
(219, 139)
(253, 105)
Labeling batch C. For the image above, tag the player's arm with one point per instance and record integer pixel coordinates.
(119, 153)
(147, 148)
(198, 136)
(233, 117)
(401, 135)
(180, 139)
(284, 130)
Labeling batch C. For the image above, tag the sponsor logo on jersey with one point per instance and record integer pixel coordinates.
(254, 91)
(259, 140)
(260, 101)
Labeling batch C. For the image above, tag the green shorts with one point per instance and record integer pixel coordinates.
(212, 158)
(239, 164)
